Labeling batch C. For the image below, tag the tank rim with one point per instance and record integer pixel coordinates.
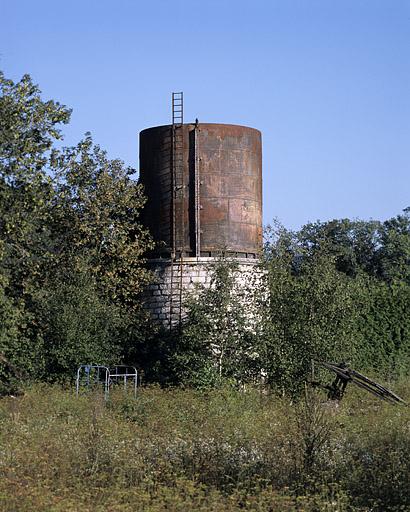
(202, 124)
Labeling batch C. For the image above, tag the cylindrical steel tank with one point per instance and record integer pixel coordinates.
(211, 201)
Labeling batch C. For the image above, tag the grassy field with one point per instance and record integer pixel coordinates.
(184, 450)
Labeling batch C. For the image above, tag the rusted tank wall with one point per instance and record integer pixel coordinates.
(155, 175)
(227, 159)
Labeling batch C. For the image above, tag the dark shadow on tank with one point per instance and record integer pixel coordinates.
(191, 191)
(155, 164)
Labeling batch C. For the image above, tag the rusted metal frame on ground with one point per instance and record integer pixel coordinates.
(344, 375)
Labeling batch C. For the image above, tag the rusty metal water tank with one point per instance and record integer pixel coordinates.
(214, 204)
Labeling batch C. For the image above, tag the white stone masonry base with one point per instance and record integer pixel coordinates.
(175, 280)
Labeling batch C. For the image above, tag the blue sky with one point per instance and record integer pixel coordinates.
(326, 81)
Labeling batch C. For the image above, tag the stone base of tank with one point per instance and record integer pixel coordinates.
(175, 281)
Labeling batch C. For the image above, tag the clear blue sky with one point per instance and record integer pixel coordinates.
(326, 81)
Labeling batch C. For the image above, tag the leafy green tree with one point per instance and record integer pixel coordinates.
(98, 270)
(353, 244)
(19, 346)
(218, 341)
(71, 262)
(309, 313)
(394, 254)
(79, 326)
(379, 249)
(383, 327)
(29, 127)
(96, 218)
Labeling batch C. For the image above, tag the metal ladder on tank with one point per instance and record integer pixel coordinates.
(178, 202)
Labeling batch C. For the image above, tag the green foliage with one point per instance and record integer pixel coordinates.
(183, 450)
(394, 253)
(218, 339)
(309, 314)
(29, 127)
(96, 217)
(70, 239)
(378, 249)
(28, 130)
(18, 347)
(79, 326)
(354, 245)
(383, 327)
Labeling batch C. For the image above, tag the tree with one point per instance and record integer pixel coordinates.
(218, 341)
(91, 309)
(29, 127)
(71, 243)
(383, 326)
(393, 257)
(310, 311)
(19, 348)
(96, 219)
(353, 244)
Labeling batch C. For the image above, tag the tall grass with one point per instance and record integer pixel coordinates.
(183, 450)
